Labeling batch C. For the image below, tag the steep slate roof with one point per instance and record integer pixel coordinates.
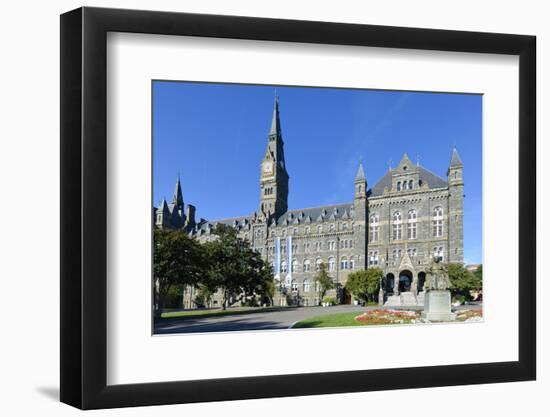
(300, 216)
(334, 212)
(427, 177)
(455, 158)
(360, 173)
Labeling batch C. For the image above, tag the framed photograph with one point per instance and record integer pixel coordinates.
(261, 208)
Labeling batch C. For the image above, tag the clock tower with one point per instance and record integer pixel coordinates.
(273, 175)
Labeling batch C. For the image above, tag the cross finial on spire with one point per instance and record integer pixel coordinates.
(390, 162)
(417, 159)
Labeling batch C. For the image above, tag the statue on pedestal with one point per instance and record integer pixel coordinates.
(437, 305)
(437, 276)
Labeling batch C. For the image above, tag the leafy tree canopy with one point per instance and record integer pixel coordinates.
(463, 281)
(323, 280)
(364, 285)
(234, 267)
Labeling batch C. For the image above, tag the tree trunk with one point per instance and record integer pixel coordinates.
(224, 300)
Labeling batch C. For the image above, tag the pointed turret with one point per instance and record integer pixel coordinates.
(360, 182)
(163, 207)
(163, 214)
(177, 199)
(455, 158)
(360, 173)
(454, 173)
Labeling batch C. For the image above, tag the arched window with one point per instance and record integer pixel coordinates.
(307, 230)
(411, 224)
(283, 266)
(344, 226)
(399, 186)
(437, 222)
(306, 285)
(332, 245)
(344, 263)
(319, 229)
(331, 264)
(294, 265)
(410, 184)
(306, 265)
(318, 263)
(397, 226)
(374, 228)
(405, 185)
(294, 286)
(351, 262)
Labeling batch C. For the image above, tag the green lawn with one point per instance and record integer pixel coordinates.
(330, 320)
(218, 312)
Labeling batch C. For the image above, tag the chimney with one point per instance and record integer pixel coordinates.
(190, 215)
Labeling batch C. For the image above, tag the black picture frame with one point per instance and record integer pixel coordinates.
(84, 207)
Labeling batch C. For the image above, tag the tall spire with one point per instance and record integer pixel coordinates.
(275, 121)
(455, 158)
(177, 199)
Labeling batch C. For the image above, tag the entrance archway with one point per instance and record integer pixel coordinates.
(421, 281)
(405, 281)
(390, 282)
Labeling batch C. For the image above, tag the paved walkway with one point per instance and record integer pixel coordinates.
(266, 320)
(276, 319)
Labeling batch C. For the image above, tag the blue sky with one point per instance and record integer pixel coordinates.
(215, 135)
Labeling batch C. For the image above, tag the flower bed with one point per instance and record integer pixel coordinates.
(470, 315)
(389, 316)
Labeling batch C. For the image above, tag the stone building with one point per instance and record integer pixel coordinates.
(409, 216)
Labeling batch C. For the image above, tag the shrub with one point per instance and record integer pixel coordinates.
(329, 300)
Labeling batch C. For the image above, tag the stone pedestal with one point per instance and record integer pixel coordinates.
(437, 306)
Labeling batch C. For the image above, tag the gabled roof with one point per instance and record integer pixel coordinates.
(425, 176)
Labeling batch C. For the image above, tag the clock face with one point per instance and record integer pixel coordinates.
(268, 167)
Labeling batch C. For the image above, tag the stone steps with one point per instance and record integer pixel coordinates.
(405, 299)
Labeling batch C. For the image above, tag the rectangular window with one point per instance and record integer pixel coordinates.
(397, 231)
(411, 230)
(437, 228)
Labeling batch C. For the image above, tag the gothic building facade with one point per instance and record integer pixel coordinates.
(399, 225)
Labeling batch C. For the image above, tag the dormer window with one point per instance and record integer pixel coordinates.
(404, 167)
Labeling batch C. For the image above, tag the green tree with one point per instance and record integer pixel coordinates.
(204, 295)
(365, 284)
(478, 273)
(462, 281)
(323, 281)
(234, 267)
(178, 260)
